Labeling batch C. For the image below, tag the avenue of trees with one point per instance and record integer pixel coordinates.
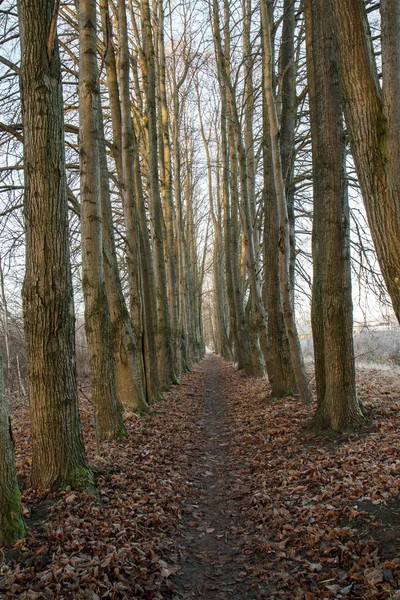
(151, 148)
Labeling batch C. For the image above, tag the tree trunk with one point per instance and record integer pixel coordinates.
(166, 190)
(223, 344)
(11, 524)
(97, 318)
(180, 235)
(284, 232)
(164, 346)
(148, 287)
(237, 157)
(332, 309)
(129, 373)
(288, 122)
(6, 330)
(279, 363)
(58, 455)
(142, 296)
(373, 125)
(233, 326)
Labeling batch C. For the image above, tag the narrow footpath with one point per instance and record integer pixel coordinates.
(213, 541)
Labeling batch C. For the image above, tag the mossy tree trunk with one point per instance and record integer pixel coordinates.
(11, 524)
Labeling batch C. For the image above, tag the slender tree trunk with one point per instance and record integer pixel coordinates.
(6, 330)
(191, 257)
(284, 232)
(180, 243)
(236, 157)
(129, 374)
(243, 349)
(223, 345)
(233, 327)
(164, 346)
(167, 191)
(332, 310)
(279, 363)
(288, 122)
(97, 317)
(373, 124)
(148, 288)
(58, 455)
(112, 84)
(140, 275)
(11, 524)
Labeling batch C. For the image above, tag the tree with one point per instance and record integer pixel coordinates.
(166, 187)
(332, 310)
(373, 120)
(97, 318)
(279, 362)
(58, 456)
(284, 229)
(129, 376)
(238, 165)
(11, 524)
(164, 343)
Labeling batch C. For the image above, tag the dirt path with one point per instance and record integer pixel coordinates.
(214, 495)
(213, 537)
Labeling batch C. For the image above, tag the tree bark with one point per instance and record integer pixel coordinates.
(129, 371)
(58, 455)
(97, 317)
(332, 309)
(284, 232)
(12, 526)
(279, 363)
(164, 346)
(233, 327)
(140, 272)
(373, 124)
(287, 123)
(167, 191)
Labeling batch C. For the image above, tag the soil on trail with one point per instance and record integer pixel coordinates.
(213, 537)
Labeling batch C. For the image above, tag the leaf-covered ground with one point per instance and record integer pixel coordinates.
(215, 494)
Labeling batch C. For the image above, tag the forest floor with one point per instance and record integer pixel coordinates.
(216, 494)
